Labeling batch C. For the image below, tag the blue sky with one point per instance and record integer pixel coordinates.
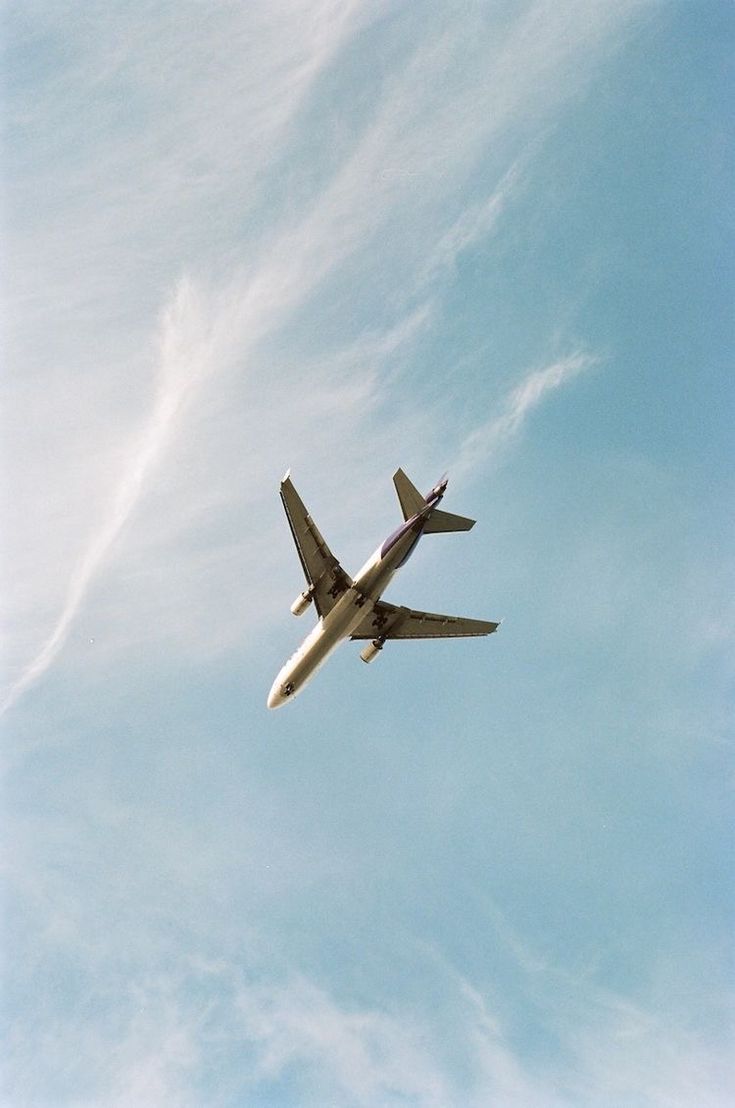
(489, 238)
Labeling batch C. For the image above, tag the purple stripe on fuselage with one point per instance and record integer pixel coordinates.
(398, 534)
(416, 523)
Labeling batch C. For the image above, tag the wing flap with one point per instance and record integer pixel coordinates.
(391, 622)
(323, 573)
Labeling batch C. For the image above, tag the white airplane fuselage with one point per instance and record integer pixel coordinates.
(353, 606)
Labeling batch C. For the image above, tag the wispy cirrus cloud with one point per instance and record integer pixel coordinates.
(125, 201)
(182, 365)
(319, 169)
(295, 1038)
(476, 222)
(484, 442)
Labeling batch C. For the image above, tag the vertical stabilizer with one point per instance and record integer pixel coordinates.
(411, 499)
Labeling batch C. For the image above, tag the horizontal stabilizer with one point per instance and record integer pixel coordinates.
(445, 521)
(411, 499)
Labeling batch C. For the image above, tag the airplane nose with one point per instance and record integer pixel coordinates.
(275, 700)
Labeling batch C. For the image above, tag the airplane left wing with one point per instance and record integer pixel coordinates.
(325, 576)
(388, 621)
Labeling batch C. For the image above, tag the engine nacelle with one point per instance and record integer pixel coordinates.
(301, 603)
(370, 652)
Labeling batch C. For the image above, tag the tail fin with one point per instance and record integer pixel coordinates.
(412, 502)
(411, 499)
(445, 521)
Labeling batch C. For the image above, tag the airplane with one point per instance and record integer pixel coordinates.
(352, 609)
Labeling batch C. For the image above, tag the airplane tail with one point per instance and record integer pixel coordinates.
(412, 502)
(411, 499)
(446, 521)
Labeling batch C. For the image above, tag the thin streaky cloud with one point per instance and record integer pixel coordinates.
(341, 219)
(335, 178)
(180, 370)
(475, 223)
(490, 437)
(184, 363)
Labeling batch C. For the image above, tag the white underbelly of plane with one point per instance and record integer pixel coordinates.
(316, 648)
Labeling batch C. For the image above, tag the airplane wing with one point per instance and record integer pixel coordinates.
(324, 574)
(391, 622)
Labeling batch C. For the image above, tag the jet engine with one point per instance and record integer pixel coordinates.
(301, 603)
(370, 652)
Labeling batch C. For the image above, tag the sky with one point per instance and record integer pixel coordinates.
(491, 238)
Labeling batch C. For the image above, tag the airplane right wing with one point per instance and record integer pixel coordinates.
(325, 576)
(391, 622)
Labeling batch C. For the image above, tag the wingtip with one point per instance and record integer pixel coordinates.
(286, 476)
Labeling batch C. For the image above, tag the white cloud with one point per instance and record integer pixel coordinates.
(475, 223)
(182, 366)
(134, 191)
(485, 441)
(209, 1031)
(211, 142)
(625, 1053)
(351, 1056)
